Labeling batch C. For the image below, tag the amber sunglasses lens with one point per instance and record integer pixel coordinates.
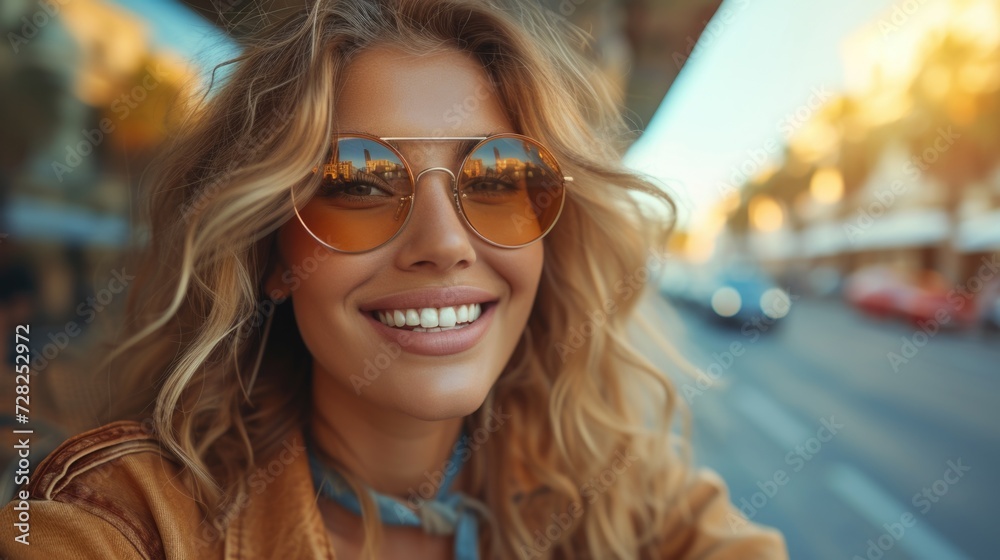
(511, 190)
(364, 197)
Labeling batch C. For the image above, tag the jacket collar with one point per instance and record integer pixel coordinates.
(281, 518)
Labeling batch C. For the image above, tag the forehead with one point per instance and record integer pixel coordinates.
(388, 92)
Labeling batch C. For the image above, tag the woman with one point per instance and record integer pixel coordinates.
(382, 314)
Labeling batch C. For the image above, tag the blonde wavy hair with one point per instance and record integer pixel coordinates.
(577, 390)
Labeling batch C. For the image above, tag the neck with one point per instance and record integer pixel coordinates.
(393, 453)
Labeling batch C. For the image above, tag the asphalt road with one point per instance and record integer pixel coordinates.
(852, 452)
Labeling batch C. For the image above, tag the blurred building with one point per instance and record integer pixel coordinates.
(903, 168)
(85, 98)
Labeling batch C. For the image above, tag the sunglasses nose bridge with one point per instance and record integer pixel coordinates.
(454, 184)
(429, 169)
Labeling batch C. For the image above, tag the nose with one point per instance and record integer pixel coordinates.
(435, 236)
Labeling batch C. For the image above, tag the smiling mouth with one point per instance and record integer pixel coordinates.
(432, 319)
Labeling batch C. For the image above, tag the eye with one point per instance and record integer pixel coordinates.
(363, 190)
(490, 187)
(349, 188)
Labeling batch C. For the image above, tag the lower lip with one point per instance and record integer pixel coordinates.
(442, 343)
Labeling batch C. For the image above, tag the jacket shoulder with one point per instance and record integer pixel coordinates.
(107, 492)
(706, 526)
(91, 456)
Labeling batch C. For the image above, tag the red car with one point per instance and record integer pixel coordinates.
(919, 298)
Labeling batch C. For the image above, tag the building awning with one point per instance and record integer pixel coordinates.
(39, 220)
(825, 239)
(897, 230)
(980, 233)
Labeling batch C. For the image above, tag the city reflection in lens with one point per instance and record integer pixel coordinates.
(511, 191)
(364, 197)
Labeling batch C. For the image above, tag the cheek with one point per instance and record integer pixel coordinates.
(522, 269)
(295, 243)
(312, 272)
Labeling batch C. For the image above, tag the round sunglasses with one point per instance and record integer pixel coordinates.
(509, 191)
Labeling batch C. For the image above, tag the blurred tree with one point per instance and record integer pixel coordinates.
(953, 132)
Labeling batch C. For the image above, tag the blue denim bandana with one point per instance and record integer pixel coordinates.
(448, 513)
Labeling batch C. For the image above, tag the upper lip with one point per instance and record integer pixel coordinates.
(448, 296)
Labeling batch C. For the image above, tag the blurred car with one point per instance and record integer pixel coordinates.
(991, 316)
(989, 306)
(934, 299)
(740, 295)
(919, 298)
(876, 290)
(746, 296)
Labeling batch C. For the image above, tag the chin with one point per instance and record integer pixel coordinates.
(447, 411)
(432, 405)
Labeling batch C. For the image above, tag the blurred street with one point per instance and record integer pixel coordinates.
(931, 425)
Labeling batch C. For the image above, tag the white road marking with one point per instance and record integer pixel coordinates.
(879, 508)
(772, 418)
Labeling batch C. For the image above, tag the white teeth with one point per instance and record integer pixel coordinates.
(412, 318)
(447, 317)
(430, 319)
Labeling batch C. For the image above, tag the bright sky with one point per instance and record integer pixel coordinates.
(759, 64)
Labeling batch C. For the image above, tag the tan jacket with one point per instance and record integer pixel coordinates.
(112, 493)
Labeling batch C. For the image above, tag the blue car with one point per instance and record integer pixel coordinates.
(748, 299)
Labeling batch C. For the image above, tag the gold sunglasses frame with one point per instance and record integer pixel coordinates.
(415, 178)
